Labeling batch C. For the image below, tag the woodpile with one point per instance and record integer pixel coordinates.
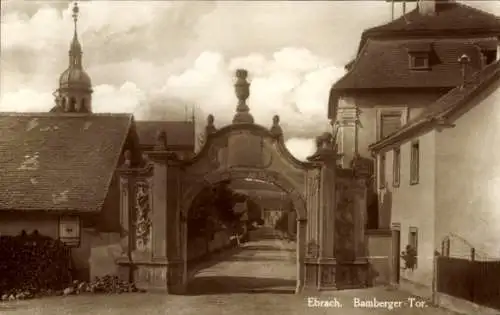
(34, 265)
(108, 285)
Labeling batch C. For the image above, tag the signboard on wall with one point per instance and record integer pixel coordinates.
(69, 230)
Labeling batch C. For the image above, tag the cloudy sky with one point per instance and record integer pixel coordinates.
(155, 58)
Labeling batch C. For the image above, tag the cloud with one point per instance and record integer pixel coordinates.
(157, 59)
(293, 83)
(109, 99)
(26, 100)
(301, 148)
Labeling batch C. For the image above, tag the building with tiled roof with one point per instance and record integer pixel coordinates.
(61, 163)
(58, 169)
(400, 104)
(403, 66)
(180, 135)
(441, 176)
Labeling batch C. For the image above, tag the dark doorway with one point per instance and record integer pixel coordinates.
(396, 260)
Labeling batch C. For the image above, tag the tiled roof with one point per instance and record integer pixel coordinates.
(59, 161)
(385, 64)
(450, 18)
(179, 133)
(438, 112)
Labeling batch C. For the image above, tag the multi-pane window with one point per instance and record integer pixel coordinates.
(396, 171)
(414, 163)
(390, 122)
(381, 170)
(419, 61)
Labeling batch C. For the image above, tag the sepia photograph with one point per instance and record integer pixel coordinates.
(249, 157)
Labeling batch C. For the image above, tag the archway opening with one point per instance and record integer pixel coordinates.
(242, 238)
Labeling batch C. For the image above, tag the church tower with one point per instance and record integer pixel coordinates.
(74, 94)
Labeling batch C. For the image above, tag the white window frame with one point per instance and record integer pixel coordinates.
(415, 169)
(396, 167)
(382, 170)
(381, 111)
(70, 230)
(414, 56)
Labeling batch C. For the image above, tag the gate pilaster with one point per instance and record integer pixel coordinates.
(325, 265)
(328, 198)
(339, 260)
(150, 223)
(166, 222)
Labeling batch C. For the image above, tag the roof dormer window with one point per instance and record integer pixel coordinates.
(419, 61)
(419, 53)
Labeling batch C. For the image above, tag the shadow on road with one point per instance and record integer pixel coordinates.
(266, 237)
(225, 284)
(255, 258)
(212, 259)
(268, 248)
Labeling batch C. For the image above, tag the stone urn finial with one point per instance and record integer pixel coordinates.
(242, 87)
(127, 159)
(324, 144)
(161, 141)
(242, 91)
(276, 128)
(210, 127)
(210, 120)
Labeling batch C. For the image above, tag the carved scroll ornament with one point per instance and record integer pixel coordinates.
(143, 216)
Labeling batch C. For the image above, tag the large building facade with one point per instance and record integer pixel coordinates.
(441, 170)
(401, 71)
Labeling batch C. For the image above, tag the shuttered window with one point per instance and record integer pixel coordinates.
(389, 123)
(396, 172)
(414, 163)
(413, 241)
(381, 171)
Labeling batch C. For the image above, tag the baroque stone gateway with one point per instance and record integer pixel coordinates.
(329, 202)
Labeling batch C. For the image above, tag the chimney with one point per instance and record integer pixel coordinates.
(427, 7)
(464, 61)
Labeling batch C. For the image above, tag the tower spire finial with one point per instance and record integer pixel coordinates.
(75, 51)
(76, 10)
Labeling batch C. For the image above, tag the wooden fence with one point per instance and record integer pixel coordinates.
(469, 279)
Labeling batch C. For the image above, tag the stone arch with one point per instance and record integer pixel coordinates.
(328, 200)
(267, 176)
